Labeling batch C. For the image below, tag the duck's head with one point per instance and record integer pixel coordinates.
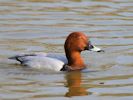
(74, 44)
(78, 41)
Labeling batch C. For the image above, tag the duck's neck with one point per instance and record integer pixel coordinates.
(75, 60)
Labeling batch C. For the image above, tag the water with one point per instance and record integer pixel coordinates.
(42, 25)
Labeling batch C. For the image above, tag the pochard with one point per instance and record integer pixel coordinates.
(75, 43)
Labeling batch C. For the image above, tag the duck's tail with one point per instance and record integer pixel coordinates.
(18, 58)
(21, 58)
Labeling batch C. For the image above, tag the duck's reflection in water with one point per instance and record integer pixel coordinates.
(74, 84)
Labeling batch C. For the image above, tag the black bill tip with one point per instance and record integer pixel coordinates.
(100, 51)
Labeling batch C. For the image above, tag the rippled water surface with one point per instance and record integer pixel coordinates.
(42, 25)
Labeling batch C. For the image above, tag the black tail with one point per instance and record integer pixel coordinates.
(20, 58)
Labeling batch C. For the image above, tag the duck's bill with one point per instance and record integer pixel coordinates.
(96, 49)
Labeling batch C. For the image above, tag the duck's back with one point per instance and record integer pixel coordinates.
(47, 61)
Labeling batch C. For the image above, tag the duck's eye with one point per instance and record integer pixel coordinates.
(91, 46)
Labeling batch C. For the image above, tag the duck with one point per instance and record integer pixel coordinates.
(75, 43)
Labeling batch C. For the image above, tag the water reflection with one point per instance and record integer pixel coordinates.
(74, 84)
